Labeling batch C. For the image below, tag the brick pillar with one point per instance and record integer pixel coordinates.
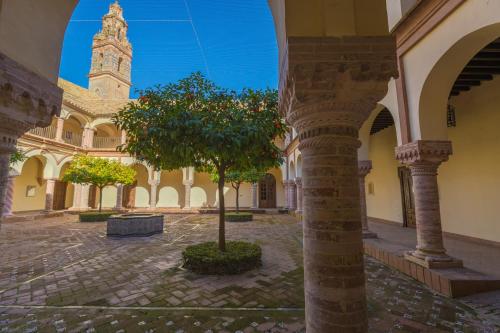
(292, 195)
(187, 194)
(329, 87)
(49, 194)
(298, 183)
(9, 195)
(119, 197)
(364, 168)
(59, 129)
(153, 198)
(255, 196)
(423, 158)
(4, 177)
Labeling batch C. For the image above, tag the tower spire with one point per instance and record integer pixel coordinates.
(110, 73)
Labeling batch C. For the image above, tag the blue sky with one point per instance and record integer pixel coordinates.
(231, 41)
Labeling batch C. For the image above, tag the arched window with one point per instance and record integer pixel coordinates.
(120, 60)
(119, 35)
(101, 60)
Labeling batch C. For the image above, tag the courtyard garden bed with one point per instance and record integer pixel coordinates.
(239, 217)
(128, 225)
(206, 258)
(95, 216)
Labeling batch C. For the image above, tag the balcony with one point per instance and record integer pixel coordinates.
(45, 132)
(72, 138)
(108, 142)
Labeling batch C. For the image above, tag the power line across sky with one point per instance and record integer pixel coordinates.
(231, 41)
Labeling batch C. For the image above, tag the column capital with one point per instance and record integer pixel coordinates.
(187, 183)
(154, 182)
(298, 181)
(26, 96)
(364, 167)
(424, 152)
(344, 77)
(289, 182)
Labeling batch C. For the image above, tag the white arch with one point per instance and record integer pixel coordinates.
(101, 121)
(432, 67)
(298, 163)
(50, 170)
(291, 171)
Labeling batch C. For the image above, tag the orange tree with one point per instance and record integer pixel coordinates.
(195, 123)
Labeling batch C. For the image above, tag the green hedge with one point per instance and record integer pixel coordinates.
(239, 217)
(205, 258)
(95, 216)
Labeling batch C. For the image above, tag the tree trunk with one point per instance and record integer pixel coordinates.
(238, 199)
(222, 211)
(100, 199)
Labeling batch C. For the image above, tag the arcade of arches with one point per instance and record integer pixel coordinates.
(394, 114)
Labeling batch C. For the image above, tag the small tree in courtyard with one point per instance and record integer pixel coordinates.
(100, 172)
(236, 178)
(195, 123)
(17, 156)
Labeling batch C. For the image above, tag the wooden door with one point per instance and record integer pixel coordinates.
(267, 192)
(59, 195)
(407, 197)
(128, 198)
(92, 196)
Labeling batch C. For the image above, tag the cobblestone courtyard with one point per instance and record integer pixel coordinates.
(58, 275)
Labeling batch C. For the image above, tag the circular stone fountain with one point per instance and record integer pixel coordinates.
(128, 225)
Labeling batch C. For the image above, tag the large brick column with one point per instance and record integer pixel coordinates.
(364, 168)
(9, 195)
(328, 89)
(423, 158)
(27, 100)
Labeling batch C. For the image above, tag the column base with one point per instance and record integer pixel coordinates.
(429, 262)
(186, 208)
(367, 234)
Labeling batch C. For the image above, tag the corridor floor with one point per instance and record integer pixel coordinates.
(58, 275)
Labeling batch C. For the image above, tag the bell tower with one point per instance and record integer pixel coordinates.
(110, 75)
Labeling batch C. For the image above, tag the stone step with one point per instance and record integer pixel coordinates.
(450, 282)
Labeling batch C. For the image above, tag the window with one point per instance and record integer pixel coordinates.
(120, 64)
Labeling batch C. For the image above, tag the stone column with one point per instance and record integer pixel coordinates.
(423, 158)
(59, 129)
(255, 195)
(292, 195)
(123, 137)
(49, 194)
(27, 100)
(9, 195)
(187, 194)
(329, 87)
(119, 197)
(298, 183)
(364, 168)
(287, 194)
(77, 197)
(84, 197)
(88, 138)
(153, 193)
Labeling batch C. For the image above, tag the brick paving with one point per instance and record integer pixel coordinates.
(58, 275)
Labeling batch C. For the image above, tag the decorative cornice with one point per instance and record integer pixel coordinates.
(364, 168)
(424, 151)
(27, 97)
(344, 76)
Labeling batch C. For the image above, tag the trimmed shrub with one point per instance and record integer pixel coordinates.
(95, 216)
(206, 258)
(239, 217)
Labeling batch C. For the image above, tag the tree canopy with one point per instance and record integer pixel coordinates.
(100, 172)
(195, 123)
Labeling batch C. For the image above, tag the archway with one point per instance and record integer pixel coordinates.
(171, 190)
(383, 192)
(106, 136)
(63, 191)
(30, 186)
(73, 131)
(137, 194)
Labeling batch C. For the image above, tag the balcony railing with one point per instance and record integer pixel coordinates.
(46, 132)
(72, 138)
(109, 142)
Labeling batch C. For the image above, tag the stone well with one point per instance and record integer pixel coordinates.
(128, 225)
